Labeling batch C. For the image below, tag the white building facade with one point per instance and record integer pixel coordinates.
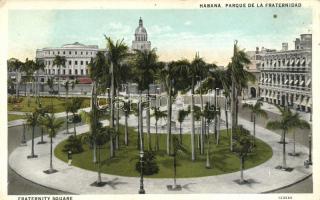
(77, 57)
(285, 77)
(140, 41)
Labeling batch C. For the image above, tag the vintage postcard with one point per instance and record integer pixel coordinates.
(140, 99)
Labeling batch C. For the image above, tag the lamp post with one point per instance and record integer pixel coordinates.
(141, 190)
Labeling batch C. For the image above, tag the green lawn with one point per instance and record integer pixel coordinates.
(14, 117)
(123, 164)
(57, 102)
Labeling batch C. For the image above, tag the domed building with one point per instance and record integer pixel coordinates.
(140, 41)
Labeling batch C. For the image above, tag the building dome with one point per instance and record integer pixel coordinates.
(74, 45)
(140, 29)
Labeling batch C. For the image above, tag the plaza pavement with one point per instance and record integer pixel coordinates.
(262, 178)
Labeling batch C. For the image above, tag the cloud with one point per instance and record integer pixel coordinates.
(158, 29)
(187, 23)
(119, 28)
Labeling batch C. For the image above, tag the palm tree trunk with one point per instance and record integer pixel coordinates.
(202, 126)
(175, 171)
(208, 165)
(59, 67)
(51, 167)
(126, 130)
(294, 143)
(193, 156)
(42, 135)
(67, 123)
(180, 132)
(99, 165)
(117, 121)
(141, 122)
(284, 163)
(218, 129)
(169, 121)
(226, 115)
(241, 169)
(94, 152)
(233, 111)
(74, 126)
(254, 130)
(32, 142)
(93, 108)
(148, 122)
(157, 139)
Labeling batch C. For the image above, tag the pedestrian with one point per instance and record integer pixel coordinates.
(69, 157)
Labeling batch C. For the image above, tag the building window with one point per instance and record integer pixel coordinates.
(49, 71)
(69, 52)
(53, 71)
(81, 53)
(87, 71)
(81, 62)
(81, 71)
(58, 52)
(76, 72)
(86, 53)
(70, 62)
(76, 52)
(87, 62)
(64, 52)
(64, 72)
(70, 72)
(91, 52)
(75, 62)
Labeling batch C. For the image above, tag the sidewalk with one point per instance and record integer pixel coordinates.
(263, 178)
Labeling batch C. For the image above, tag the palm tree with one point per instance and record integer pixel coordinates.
(177, 148)
(239, 78)
(75, 105)
(59, 61)
(15, 65)
(145, 63)
(42, 111)
(182, 114)
(287, 122)
(158, 114)
(256, 111)
(127, 111)
(32, 121)
(117, 53)
(39, 65)
(52, 125)
(210, 114)
(242, 147)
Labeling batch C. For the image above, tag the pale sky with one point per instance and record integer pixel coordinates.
(175, 33)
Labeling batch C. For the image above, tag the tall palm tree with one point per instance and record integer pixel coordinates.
(177, 148)
(242, 147)
(239, 77)
(32, 122)
(52, 125)
(15, 65)
(42, 111)
(38, 66)
(59, 61)
(256, 111)
(210, 114)
(127, 111)
(145, 63)
(75, 106)
(158, 114)
(182, 114)
(288, 122)
(117, 53)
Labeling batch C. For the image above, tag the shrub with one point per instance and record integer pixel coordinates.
(149, 164)
(74, 144)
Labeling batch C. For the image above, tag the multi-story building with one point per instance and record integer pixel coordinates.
(285, 77)
(77, 57)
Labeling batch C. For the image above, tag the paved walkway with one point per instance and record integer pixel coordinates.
(263, 178)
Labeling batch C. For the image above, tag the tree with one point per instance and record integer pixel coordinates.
(242, 147)
(59, 61)
(15, 65)
(182, 114)
(256, 111)
(75, 105)
(239, 78)
(117, 53)
(32, 121)
(209, 113)
(52, 125)
(158, 114)
(145, 63)
(288, 122)
(42, 111)
(126, 110)
(177, 148)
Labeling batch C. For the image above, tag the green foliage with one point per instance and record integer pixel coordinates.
(243, 140)
(14, 100)
(182, 114)
(149, 163)
(74, 144)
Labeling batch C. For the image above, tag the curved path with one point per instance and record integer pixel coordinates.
(263, 178)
